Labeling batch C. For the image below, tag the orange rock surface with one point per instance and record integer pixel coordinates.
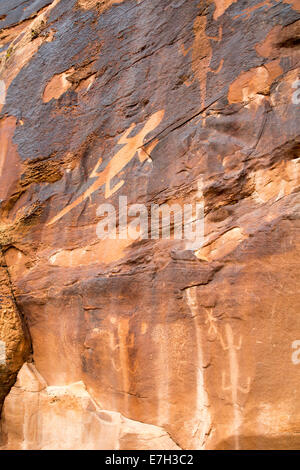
(149, 343)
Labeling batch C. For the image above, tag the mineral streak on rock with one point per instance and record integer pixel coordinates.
(149, 344)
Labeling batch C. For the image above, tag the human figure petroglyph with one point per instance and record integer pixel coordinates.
(234, 385)
(126, 343)
(118, 162)
(211, 321)
(202, 54)
(113, 345)
(228, 345)
(232, 349)
(120, 342)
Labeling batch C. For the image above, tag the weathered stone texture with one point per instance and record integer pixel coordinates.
(14, 340)
(162, 101)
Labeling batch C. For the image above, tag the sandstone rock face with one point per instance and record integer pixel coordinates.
(150, 343)
(14, 339)
(66, 417)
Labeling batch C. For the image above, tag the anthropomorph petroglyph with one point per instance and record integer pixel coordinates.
(234, 385)
(202, 54)
(118, 162)
(211, 321)
(232, 349)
